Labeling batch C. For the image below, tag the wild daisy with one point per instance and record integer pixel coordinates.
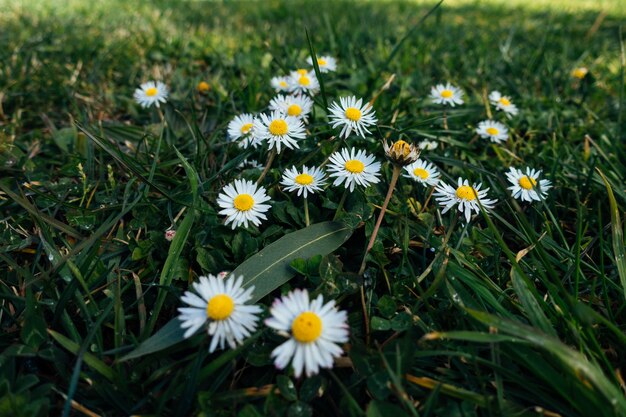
(326, 63)
(465, 196)
(314, 330)
(503, 103)
(526, 185)
(353, 115)
(302, 81)
(492, 130)
(428, 145)
(242, 202)
(423, 172)
(580, 72)
(241, 129)
(446, 94)
(252, 164)
(203, 87)
(353, 167)
(297, 106)
(151, 92)
(401, 153)
(304, 180)
(221, 302)
(279, 129)
(280, 84)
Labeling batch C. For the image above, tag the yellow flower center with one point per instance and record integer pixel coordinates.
(220, 307)
(307, 327)
(278, 127)
(421, 172)
(580, 73)
(294, 110)
(203, 86)
(245, 129)
(466, 192)
(354, 166)
(402, 148)
(321, 61)
(527, 183)
(492, 131)
(304, 80)
(353, 114)
(447, 93)
(243, 202)
(304, 179)
(505, 101)
(283, 84)
(151, 92)
(302, 71)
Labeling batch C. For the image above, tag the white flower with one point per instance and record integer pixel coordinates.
(252, 163)
(526, 185)
(314, 330)
(503, 103)
(428, 145)
(303, 81)
(354, 167)
(151, 92)
(241, 129)
(423, 172)
(280, 84)
(492, 130)
(466, 196)
(297, 106)
(446, 94)
(279, 129)
(353, 115)
(326, 63)
(242, 202)
(170, 234)
(304, 180)
(221, 302)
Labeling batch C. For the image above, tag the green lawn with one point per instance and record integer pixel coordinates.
(520, 312)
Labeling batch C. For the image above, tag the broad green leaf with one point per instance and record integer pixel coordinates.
(267, 270)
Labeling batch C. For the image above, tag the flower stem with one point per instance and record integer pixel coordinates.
(306, 212)
(341, 202)
(392, 185)
(268, 164)
(445, 120)
(397, 169)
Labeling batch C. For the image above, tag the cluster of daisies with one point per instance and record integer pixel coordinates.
(314, 329)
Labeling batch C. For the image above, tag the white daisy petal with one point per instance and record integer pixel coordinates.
(280, 130)
(325, 63)
(241, 203)
(464, 196)
(446, 94)
(304, 180)
(350, 167)
(492, 130)
(526, 185)
(423, 172)
(151, 92)
(352, 115)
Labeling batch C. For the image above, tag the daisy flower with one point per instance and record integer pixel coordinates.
(353, 115)
(526, 185)
(280, 84)
(428, 145)
(580, 72)
(326, 63)
(279, 129)
(304, 180)
(354, 167)
(203, 87)
(221, 302)
(303, 81)
(241, 129)
(151, 92)
(446, 94)
(503, 103)
(291, 105)
(242, 202)
(314, 330)
(423, 172)
(252, 164)
(401, 153)
(492, 130)
(465, 196)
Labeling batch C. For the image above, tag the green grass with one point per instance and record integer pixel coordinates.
(522, 313)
